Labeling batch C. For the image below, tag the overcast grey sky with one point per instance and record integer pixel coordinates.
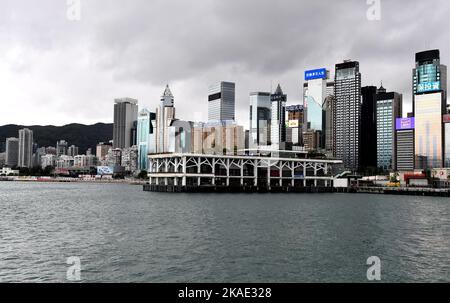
(56, 71)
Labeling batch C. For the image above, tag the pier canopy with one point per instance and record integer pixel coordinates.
(204, 170)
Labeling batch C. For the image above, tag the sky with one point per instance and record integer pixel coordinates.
(63, 63)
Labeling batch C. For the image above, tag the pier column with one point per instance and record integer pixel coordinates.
(213, 162)
(268, 173)
(315, 174)
(199, 170)
(184, 160)
(228, 172)
(255, 173)
(292, 174)
(304, 174)
(242, 172)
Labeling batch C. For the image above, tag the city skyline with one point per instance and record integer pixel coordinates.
(73, 69)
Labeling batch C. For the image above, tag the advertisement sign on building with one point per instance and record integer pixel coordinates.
(446, 118)
(105, 170)
(293, 123)
(405, 123)
(316, 74)
(428, 87)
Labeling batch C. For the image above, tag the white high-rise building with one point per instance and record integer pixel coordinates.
(25, 148)
(221, 102)
(278, 121)
(165, 114)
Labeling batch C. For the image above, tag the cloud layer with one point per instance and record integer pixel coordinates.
(57, 71)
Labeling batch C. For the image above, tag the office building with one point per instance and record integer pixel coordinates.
(48, 160)
(260, 119)
(294, 131)
(25, 148)
(405, 143)
(145, 137)
(61, 148)
(368, 151)
(180, 136)
(347, 114)
(73, 151)
(446, 120)
(315, 90)
(328, 107)
(165, 114)
(12, 152)
(388, 108)
(125, 117)
(221, 102)
(429, 105)
(130, 159)
(278, 121)
(218, 138)
(102, 150)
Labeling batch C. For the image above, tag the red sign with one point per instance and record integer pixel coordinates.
(446, 118)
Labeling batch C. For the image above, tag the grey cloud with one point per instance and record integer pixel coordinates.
(136, 47)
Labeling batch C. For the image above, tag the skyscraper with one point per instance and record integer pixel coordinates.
(388, 108)
(295, 119)
(145, 133)
(347, 114)
(165, 114)
(260, 119)
(12, 152)
(25, 148)
(368, 151)
(314, 93)
(429, 104)
(278, 121)
(221, 102)
(328, 107)
(125, 116)
(446, 119)
(405, 144)
(61, 148)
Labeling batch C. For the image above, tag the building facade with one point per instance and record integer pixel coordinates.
(145, 137)
(429, 105)
(368, 148)
(405, 144)
(347, 114)
(25, 148)
(388, 109)
(278, 121)
(12, 152)
(260, 119)
(165, 114)
(221, 101)
(295, 119)
(125, 117)
(446, 120)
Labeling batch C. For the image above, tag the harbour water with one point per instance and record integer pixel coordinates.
(123, 234)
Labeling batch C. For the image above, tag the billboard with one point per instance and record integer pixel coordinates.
(405, 123)
(293, 123)
(105, 170)
(428, 87)
(316, 74)
(446, 118)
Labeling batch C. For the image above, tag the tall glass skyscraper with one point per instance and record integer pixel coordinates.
(429, 104)
(260, 119)
(314, 92)
(447, 140)
(278, 124)
(125, 117)
(145, 137)
(25, 148)
(221, 102)
(388, 108)
(347, 114)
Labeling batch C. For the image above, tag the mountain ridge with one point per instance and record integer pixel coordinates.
(81, 135)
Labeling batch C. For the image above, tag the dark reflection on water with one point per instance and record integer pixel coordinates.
(123, 234)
